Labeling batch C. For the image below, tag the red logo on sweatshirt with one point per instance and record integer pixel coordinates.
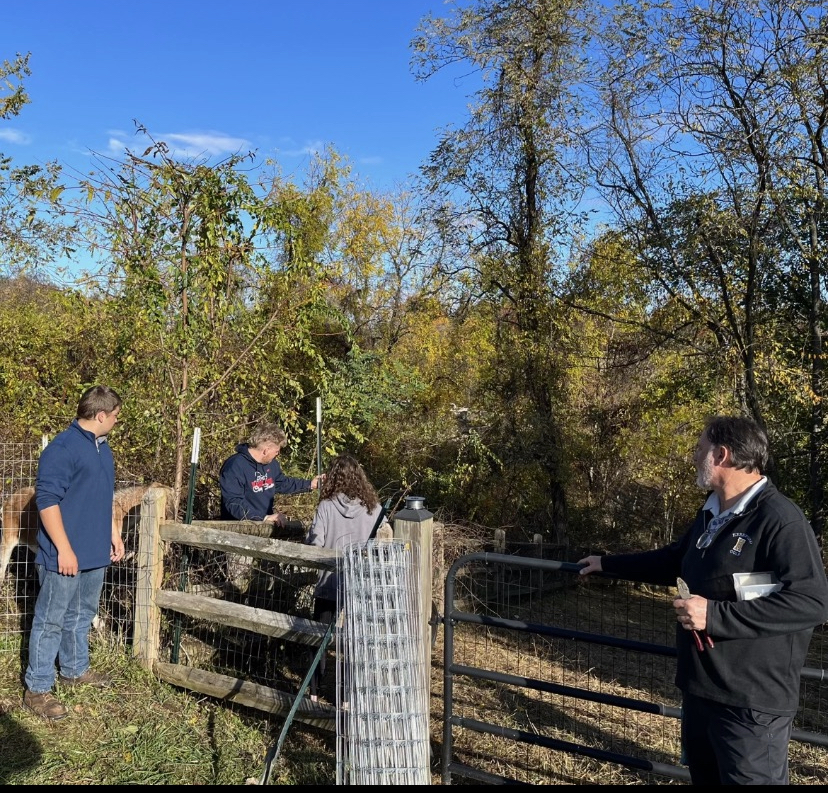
(262, 482)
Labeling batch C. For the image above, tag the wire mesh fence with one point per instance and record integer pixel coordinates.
(239, 652)
(18, 467)
(382, 718)
(18, 545)
(257, 583)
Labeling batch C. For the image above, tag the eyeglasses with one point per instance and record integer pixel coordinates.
(706, 539)
(711, 530)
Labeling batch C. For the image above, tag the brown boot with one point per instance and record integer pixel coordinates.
(88, 678)
(45, 705)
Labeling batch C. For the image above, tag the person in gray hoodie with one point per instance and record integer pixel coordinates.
(349, 511)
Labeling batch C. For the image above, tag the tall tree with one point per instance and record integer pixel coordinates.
(708, 146)
(503, 185)
(210, 292)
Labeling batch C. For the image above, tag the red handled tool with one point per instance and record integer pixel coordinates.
(701, 637)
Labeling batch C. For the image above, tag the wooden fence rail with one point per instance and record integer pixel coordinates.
(155, 535)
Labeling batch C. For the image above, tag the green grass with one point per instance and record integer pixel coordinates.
(146, 732)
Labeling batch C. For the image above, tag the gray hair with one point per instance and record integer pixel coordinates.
(267, 432)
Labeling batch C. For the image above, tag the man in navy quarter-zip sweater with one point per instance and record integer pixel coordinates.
(740, 689)
(77, 543)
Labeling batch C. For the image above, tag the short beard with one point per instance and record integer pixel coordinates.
(704, 476)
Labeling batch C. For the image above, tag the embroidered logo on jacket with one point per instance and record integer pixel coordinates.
(262, 482)
(741, 539)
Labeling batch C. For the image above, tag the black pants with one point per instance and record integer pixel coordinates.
(324, 610)
(725, 745)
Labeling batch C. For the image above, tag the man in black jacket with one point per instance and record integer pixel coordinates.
(739, 655)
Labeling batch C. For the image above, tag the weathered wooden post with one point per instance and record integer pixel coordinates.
(416, 524)
(438, 577)
(499, 541)
(536, 576)
(500, 594)
(149, 576)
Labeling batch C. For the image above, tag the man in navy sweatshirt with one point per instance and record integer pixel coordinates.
(251, 477)
(739, 656)
(77, 542)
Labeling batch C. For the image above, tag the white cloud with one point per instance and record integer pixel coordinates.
(311, 147)
(182, 144)
(115, 147)
(200, 144)
(15, 136)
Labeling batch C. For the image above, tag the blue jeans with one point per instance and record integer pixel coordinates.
(65, 608)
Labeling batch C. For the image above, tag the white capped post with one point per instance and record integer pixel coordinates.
(196, 445)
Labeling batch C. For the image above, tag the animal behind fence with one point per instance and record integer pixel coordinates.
(20, 522)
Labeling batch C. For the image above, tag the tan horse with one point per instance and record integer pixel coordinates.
(20, 523)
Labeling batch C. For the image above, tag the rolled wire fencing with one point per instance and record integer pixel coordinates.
(382, 729)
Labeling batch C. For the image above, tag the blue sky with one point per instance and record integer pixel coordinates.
(218, 76)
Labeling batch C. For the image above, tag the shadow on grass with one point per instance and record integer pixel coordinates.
(21, 750)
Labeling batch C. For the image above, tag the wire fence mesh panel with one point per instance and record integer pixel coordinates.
(18, 545)
(382, 692)
(18, 467)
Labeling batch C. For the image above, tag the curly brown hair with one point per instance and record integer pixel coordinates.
(345, 475)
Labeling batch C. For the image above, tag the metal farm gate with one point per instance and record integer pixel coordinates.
(549, 678)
